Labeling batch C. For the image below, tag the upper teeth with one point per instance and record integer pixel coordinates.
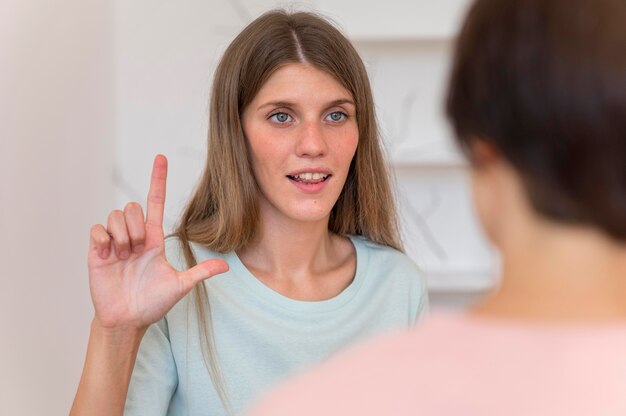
(311, 176)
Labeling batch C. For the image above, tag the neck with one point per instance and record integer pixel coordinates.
(301, 260)
(290, 250)
(560, 273)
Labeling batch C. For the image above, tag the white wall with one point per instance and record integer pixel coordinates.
(56, 155)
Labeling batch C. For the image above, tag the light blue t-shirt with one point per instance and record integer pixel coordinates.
(262, 336)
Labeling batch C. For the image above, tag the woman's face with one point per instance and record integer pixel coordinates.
(302, 134)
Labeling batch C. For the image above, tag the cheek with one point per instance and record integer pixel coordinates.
(348, 147)
(262, 150)
(259, 143)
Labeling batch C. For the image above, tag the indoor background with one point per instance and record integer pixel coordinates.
(92, 90)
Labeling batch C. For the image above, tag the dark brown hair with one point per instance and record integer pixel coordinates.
(544, 82)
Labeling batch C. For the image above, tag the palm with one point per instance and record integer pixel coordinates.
(138, 290)
(142, 288)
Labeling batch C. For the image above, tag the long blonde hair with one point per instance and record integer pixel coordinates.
(223, 213)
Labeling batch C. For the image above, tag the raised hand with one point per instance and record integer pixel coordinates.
(131, 282)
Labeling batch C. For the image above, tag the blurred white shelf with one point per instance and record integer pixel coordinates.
(440, 229)
(409, 80)
(453, 281)
(438, 153)
(396, 19)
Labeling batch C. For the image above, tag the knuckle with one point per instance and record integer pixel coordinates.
(122, 242)
(137, 234)
(132, 207)
(115, 215)
(99, 235)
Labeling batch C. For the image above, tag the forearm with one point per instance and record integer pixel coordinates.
(108, 367)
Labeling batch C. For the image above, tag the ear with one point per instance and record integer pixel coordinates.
(482, 152)
(489, 186)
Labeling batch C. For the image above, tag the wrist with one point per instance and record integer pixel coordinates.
(119, 335)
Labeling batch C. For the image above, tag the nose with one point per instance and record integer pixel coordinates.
(311, 141)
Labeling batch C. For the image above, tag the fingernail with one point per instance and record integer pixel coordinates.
(124, 254)
(104, 253)
(138, 249)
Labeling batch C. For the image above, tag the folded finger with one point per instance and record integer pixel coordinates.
(100, 240)
(116, 226)
(133, 215)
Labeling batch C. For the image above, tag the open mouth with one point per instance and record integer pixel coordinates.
(309, 177)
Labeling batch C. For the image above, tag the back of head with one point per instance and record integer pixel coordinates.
(544, 82)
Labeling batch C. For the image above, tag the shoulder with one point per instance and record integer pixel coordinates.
(341, 385)
(387, 262)
(385, 255)
(458, 364)
(367, 379)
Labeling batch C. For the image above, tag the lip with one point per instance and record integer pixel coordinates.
(311, 170)
(310, 188)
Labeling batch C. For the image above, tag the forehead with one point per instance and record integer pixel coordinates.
(299, 82)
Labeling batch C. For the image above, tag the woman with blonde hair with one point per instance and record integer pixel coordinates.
(294, 214)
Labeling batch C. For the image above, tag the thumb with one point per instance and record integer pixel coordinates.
(202, 271)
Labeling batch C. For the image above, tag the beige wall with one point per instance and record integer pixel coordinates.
(56, 157)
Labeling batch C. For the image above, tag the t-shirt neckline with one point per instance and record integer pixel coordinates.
(262, 291)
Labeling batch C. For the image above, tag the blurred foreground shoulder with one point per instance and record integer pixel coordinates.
(345, 383)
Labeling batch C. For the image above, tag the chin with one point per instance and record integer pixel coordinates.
(311, 215)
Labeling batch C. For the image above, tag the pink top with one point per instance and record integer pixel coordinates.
(462, 365)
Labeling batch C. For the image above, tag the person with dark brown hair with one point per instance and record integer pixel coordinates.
(294, 214)
(537, 98)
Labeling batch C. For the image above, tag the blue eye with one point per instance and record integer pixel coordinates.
(280, 118)
(337, 116)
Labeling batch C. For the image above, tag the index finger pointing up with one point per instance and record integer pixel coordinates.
(156, 194)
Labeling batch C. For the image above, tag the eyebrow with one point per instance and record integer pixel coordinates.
(290, 104)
